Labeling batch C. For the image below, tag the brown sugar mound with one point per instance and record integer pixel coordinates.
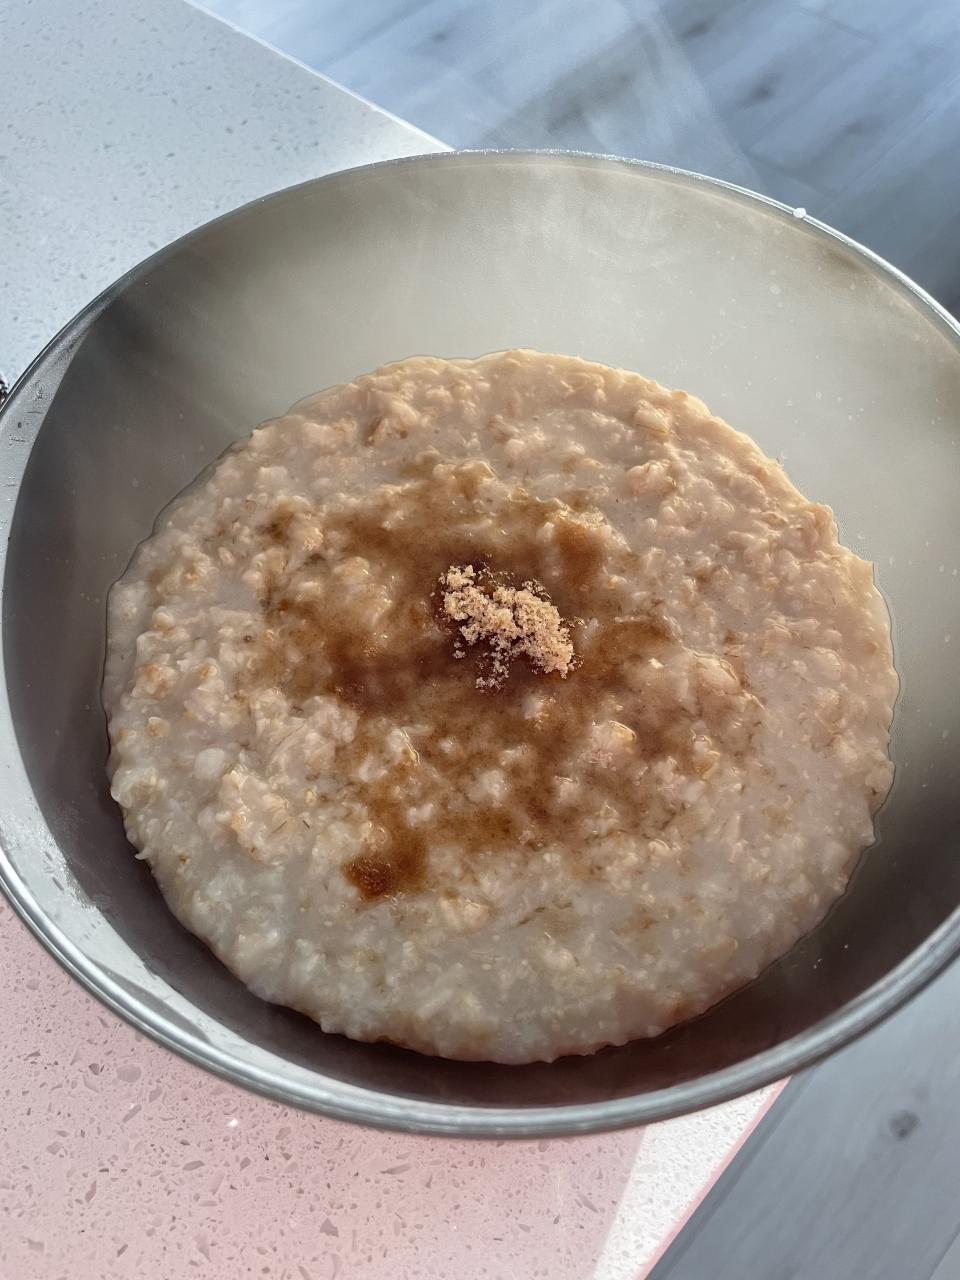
(511, 622)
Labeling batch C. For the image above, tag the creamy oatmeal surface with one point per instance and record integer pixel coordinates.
(503, 708)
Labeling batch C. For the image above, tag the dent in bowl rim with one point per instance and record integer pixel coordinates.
(334, 1098)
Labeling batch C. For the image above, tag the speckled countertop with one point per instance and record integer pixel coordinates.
(124, 123)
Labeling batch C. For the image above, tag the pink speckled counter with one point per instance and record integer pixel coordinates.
(119, 1160)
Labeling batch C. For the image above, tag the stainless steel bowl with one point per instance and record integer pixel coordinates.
(827, 356)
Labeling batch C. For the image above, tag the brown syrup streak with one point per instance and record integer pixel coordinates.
(407, 675)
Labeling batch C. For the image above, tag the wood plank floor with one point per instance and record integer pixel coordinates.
(850, 108)
(855, 1172)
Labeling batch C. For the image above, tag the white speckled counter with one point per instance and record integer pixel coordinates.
(124, 123)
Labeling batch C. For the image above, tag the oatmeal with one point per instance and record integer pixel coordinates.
(502, 709)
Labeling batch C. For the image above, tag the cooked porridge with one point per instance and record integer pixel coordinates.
(502, 709)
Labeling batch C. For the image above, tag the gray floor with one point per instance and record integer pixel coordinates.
(850, 108)
(855, 1172)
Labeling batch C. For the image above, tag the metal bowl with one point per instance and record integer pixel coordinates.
(827, 356)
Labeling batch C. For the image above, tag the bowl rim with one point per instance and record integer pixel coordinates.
(340, 1100)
